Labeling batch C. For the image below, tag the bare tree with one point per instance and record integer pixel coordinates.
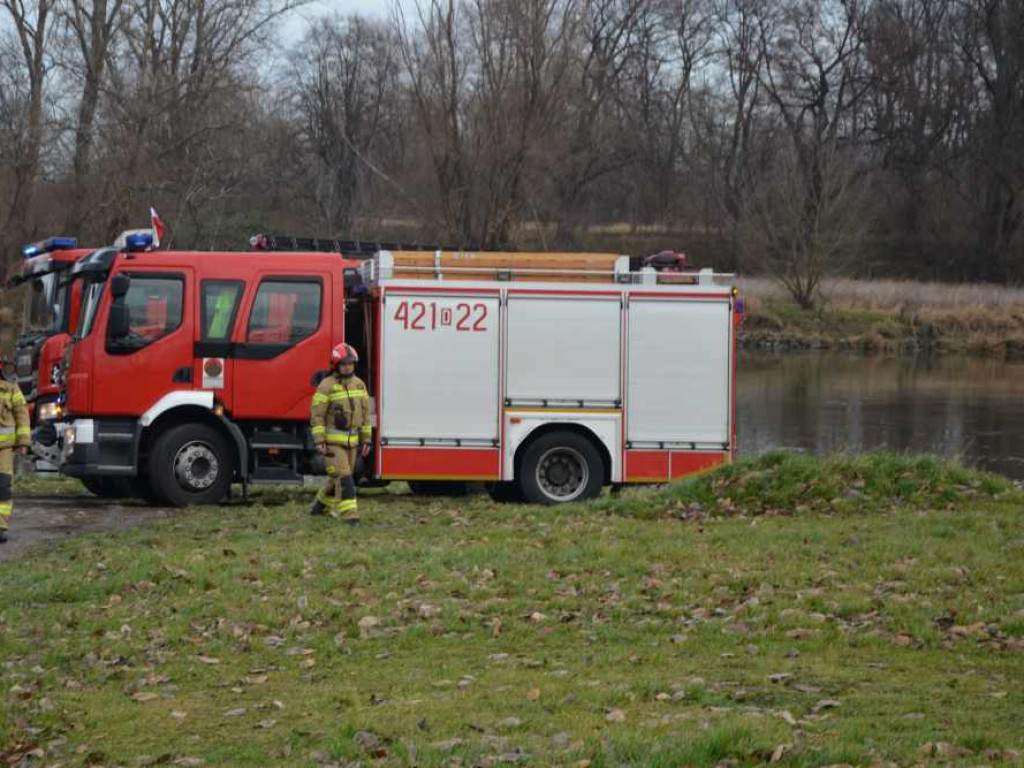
(182, 85)
(435, 60)
(485, 78)
(675, 42)
(347, 92)
(990, 36)
(590, 137)
(31, 20)
(523, 49)
(804, 208)
(738, 43)
(93, 25)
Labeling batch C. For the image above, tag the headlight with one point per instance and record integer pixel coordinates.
(69, 438)
(49, 412)
(55, 374)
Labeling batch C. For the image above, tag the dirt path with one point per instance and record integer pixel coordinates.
(39, 519)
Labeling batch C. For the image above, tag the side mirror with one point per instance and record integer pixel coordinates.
(120, 320)
(119, 285)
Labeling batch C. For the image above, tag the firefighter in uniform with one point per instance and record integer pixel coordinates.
(15, 437)
(340, 421)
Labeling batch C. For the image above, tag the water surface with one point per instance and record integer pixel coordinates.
(967, 408)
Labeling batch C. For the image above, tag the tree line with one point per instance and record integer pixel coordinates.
(800, 137)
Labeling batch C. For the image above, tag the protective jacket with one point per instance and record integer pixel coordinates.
(340, 412)
(14, 433)
(14, 425)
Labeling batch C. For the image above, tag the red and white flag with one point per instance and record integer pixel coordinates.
(158, 227)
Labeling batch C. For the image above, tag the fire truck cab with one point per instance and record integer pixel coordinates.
(547, 376)
(48, 319)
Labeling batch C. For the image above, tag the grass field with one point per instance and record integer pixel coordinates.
(787, 610)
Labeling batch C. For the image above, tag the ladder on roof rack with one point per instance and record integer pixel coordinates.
(367, 248)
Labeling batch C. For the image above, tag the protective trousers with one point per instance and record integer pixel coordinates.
(6, 479)
(339, 491)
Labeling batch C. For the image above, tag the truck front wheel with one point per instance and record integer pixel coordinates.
(190, 464)
(560, 467)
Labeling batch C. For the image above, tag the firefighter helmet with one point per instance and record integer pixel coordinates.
(343, 354)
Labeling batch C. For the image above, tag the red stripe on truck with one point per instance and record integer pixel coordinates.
(660, 466)
(401, 463)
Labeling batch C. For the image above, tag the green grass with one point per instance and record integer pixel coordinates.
(656, 628)
(47, 485)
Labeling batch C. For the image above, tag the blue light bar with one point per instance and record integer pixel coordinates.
(138, 241)
(48, 246)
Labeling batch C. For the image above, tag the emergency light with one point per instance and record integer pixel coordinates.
(48, 246)
(138, 241)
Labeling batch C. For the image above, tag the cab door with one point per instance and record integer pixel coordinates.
(282, 344)
(155, 357)
(219, 304)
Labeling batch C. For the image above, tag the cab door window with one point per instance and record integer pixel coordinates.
(154, 311)
(219, 307)
(285, 311)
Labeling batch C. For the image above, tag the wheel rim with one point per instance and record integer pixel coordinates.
(562, 474)
(196, 467)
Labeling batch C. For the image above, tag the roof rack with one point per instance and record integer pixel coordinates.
(366, 248)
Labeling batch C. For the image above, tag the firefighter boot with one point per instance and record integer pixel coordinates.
(347, 506)
(322, 504)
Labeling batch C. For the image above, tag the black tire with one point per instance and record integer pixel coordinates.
(439, 487)
(505, 493)
(109, 487)
(561, 467)
(190, 464)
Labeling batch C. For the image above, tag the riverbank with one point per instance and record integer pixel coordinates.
(777, 610)
(888, 316)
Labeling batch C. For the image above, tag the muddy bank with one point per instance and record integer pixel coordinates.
(39, 520)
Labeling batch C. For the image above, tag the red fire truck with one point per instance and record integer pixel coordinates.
(546, 376)
(49, 317)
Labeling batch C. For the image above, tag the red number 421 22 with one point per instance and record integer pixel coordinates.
(427, 316)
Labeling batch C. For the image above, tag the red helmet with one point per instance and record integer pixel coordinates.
(342, 354)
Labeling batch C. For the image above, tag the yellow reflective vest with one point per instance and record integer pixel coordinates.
(340, 412)
(14, 426)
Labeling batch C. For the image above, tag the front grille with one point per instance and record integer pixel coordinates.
(23, 366)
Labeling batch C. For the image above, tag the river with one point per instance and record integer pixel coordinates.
(971, 409)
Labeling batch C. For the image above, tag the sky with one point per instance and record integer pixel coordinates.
(374, 8)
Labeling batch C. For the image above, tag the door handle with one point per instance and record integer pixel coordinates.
(182, 376)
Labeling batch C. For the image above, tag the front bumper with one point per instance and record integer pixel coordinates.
(98, 447)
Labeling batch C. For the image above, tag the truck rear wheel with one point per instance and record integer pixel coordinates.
(560, 467)
(190, 464)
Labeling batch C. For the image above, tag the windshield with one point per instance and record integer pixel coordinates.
(90, 303)
(44, 304)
